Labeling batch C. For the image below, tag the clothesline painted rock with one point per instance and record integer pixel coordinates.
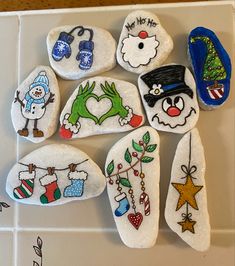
(212, 67)
(101, 105)
(143, 43)
(186, 205)
(54, 174)
(36, 104)
(78, 51)
(169, 97)
(133, 169)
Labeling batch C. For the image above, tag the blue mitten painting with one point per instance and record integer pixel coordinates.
(212, 67)
(62, 46)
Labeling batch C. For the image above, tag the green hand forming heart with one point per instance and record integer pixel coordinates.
(79, 109)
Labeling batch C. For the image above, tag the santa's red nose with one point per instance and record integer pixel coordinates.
(143, 34)
(173, 111)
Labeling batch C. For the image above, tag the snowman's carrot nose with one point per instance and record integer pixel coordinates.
(143, 34)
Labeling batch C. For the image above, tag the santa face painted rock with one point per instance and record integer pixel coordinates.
(101, 105)
(169, 97)
(80, 51)
(143, 43)
(35, 109)
(53, 175)
(212, 67)
(132, 170)
(186, 205)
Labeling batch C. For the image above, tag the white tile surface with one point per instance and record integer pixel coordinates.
(71, 227)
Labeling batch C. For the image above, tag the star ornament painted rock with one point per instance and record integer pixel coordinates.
(212, 67)
(35, 108)
(143, 43)
(133, 170)
(101, 105)
(78, 51)
(186, 205)
(169, 97)
(53, 175)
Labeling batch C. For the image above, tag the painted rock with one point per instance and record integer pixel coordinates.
(186, 205)
(143, 43)
(133, 170)
(54, 174)
(212, 67)
(169, 98)
(101, 105)
(80, 51)
(36, 105)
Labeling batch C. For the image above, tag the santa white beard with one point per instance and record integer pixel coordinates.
(185, 119)
(136, 56)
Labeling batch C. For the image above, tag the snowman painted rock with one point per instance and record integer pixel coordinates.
(101, 105)
(80, 51)
(133, 170)
(54, 174)
(143, 43)
(186, 205)
(169, 97)
(212, 67)
(35, 109)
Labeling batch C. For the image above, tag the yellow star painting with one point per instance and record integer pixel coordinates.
(187, 193)
(188, 224)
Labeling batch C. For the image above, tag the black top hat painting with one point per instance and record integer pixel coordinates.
(165, 81)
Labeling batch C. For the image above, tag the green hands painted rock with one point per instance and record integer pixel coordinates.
(101, 105)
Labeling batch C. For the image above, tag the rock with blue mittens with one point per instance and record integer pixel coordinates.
(132, 170)
(78, 51)
(36, 105)
(53, 175)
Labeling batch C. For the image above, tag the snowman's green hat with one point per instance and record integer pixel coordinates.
(41, 80)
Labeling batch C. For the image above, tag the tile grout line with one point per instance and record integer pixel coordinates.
(16, 216)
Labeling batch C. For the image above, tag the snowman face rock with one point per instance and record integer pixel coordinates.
(175, 111)
(37, 92)
(169, 97)
(139, 50)
(143, 43)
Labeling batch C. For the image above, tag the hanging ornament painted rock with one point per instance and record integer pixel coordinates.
(132, 171)
(80, 51)
(212, 67)
(143, 43)
(169, 97)
(36, 104)
(101, 105)
(54, 174)
(186, 205)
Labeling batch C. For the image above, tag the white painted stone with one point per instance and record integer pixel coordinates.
(143, 43)
(189, 166)
(85, 51)
(169, 97)
(68, 182)
(101, 105)
(37, 99)
(137, 222)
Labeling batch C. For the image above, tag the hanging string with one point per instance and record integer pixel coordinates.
(189, 170)
(82, 30)
(55, 169)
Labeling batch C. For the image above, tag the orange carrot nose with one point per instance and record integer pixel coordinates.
(143, 34)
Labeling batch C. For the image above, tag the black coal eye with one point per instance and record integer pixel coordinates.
(179, 102)
(169, 101)
(166, 104)
(141, 45)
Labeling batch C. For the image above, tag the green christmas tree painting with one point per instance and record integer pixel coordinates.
(213, 69)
